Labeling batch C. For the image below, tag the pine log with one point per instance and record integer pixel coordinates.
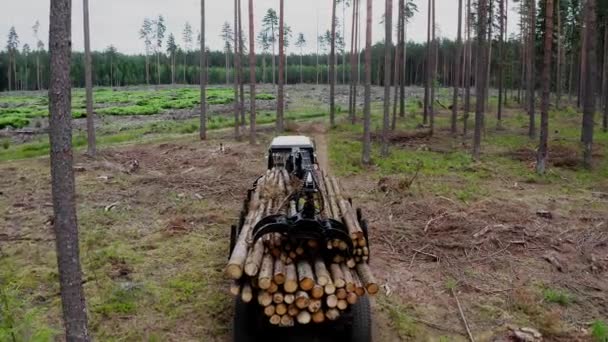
(332, 314)
(336, 275)
(330, 288)
(234, 270)
(305, 275)
(304, 317)
(269, 310)
(348, 278)
(319, 316)
(291, 279)
(286, 321)
(367, 278)
(351, 298)
(317, 291)
(254, 259)
(281, 309)
(321, 272)
(273, 287)
(342, 304)
(359, 289)
(289, 298)
(341, 293)
(331, 197)
(235, 288)
(279, 272)
(292, 310)
(348, 213)
(266, 272)
(331, 301)
(275, 319)
(302, 300)
(264, 298)
(246, 293)
(315, 305)
(278, 298)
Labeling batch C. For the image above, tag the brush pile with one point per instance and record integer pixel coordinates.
(295, 277)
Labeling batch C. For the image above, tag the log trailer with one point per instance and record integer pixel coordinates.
(299, 254)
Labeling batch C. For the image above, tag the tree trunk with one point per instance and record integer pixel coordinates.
(457, 66)
(605, 82)
(558, 81)
(280, 97)
(388, 44)
(351, 95)
(357, 74)
(147, 68)
(332, 68)
(590, 73)
(541, 158)
(402, 59)
(203, 77)
(237, 61)
(240, 70)
(531, 69)
(274, 79)
(252, 79)
(427, 83)
(367, 139)
(62, 173)
(434, 63)
(501, 65)
(157, 68)
(467, 73)
(88, 80)
(480, 79)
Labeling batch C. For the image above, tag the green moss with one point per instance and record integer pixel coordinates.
(599, 331)
(557, 296)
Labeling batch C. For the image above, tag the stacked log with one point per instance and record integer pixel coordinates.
(299, 281)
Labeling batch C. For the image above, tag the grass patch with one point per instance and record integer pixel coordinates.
(599, 331)
(557, 296)
(399, 315)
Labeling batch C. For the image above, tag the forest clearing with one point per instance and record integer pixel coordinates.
(344, 170)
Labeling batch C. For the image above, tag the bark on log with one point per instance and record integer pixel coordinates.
(337, 275)
(367, 278)
(291, 279)
(279, 272)
(321, 272)
(234, 270)
(254, 259)
(305, 275)
(348, 278)
(266, 272)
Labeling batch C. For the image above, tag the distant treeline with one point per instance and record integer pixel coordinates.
(111, 68)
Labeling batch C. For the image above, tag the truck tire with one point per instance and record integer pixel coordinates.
(361, 329)
(243, 326)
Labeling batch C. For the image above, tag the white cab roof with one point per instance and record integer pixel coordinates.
(292, 141)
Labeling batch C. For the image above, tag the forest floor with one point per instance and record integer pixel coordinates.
(517, 250)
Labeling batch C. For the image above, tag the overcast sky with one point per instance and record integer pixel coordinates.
(117, 22)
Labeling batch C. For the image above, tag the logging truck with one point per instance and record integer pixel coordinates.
(299, 254)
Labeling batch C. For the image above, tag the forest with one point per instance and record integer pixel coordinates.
(469, 170)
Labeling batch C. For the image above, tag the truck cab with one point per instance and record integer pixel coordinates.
(295, 153)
